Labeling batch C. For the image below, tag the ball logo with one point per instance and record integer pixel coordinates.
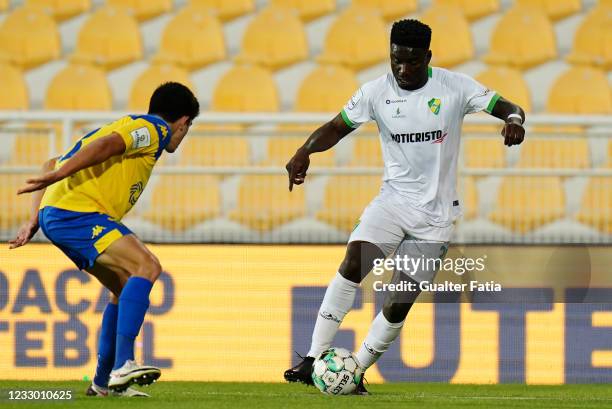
(338, 388)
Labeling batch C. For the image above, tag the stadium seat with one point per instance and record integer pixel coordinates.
(143, 9)
(79, 87)
(150, 79)
(507, 82)
(29, 37)
(484, 153)
(274, 39)
(264, 202)
(216, 151)
(366, 152)
(472, 10)
(580, 90)
(227, 10)
(326, 89)
(523, 38)
(596, 208)
(14, 209)
(180, 202)
(62, 9)
(593, 39)
(109, 38)
(526, 203)
(307, 9)
(192, 39)
(555, 153)
(30, 150)
(246, 89)
(14, 91)
(4, 5)
(452, 43)
(345, 198)
(281, 149)
(389, 10)
(554, 9)
(347, 43)
(469, 197)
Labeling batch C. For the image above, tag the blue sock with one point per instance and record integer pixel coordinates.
(133, 305)
(106, 345)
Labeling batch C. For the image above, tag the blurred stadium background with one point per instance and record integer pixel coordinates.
(267, 73)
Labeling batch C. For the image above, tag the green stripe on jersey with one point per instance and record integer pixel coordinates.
(492, 103)
(347, 120)
(429, 72)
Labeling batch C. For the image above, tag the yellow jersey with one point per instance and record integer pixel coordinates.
(114, 186)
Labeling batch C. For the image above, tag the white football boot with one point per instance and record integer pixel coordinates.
(131, 373)
(95, 390)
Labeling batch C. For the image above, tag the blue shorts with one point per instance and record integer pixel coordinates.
(81, 236)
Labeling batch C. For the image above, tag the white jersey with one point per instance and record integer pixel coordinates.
(419, 134)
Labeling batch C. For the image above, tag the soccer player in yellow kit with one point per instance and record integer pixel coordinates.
(78, 203)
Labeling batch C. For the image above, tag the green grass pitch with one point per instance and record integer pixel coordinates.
(179, 395)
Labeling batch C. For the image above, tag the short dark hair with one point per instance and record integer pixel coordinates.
(411, 33)
(173, 100)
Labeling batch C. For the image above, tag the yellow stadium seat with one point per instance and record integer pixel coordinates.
(4, 5)
(522, 38)
(29, 37)
(307, 9)
(596, 209)
(180, 202)
(554, 9)
(31, 149)
(192, 39)
(472, 10)
(469, 197)
(507, 82)
(109, 38)
(227, 10)
(390, 10)
(150, 79)
(484, 153)
(14, 91)
(451, 43)
(216, 151)
(79, 87)
(246, 89)
(348, 43)
(274, 39)
(62, 9)
(326, 89)
(143, 9)
(345, 198)
(366, 152)
(526, 203)
(14, 209)
(555, 153)
(281, 149)
(264, 202)
(580, 90)
(593, 39)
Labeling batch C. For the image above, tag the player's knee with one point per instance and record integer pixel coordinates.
(150, 268)
(396, 312)
(351, 268)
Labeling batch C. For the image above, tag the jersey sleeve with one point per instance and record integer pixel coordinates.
(358, 109)
(477, 97)
(140, 137)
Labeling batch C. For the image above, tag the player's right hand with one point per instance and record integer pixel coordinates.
(297, 167)
(25, 233)
(40, 182)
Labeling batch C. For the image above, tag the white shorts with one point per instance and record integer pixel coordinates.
(393, 225)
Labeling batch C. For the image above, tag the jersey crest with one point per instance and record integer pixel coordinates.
(434, 105)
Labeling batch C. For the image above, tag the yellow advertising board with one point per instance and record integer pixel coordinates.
(238, 313)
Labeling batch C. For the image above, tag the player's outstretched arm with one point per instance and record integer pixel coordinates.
(29, 228)
(92, 154)
(324, 138)
(514, 117)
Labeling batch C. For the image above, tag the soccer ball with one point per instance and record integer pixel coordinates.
(336, 372)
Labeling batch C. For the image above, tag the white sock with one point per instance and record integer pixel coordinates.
(381, 335)
(337, 302)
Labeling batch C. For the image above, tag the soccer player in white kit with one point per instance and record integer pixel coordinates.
(419, 111)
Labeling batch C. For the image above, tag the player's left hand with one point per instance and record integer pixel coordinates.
(25, 233)
(40, 182)
(513, 133)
